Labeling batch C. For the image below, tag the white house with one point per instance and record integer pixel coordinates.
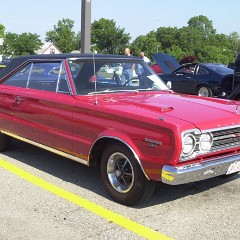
(48, 48)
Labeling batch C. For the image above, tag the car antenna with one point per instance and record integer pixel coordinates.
(95, 82)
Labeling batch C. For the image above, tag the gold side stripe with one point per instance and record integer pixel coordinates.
(63, 154)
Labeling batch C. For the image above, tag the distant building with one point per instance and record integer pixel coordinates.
(48, 48)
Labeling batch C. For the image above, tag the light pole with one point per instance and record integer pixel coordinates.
(86, 26)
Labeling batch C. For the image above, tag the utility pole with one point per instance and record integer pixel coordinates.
(86, 26)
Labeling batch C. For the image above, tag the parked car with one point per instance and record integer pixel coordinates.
(202, 79)
(231, 65)
(235, 95)
(155, 67)
(5, 62)
(1, 66)
(139, 132)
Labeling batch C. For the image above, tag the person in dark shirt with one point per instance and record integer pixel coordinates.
(127, 73)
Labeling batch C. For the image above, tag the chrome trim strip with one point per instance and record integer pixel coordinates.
(197, 172)
(134, 153)
(152, 141)
(63, 154)
(220, 128)
(225, 137)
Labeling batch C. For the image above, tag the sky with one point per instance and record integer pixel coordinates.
(138, 17)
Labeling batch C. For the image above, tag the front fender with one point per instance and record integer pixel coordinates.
(149, 149)
(124, 139)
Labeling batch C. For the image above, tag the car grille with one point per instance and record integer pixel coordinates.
(225, 139)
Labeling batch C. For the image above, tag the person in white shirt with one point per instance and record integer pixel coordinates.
(145, 59)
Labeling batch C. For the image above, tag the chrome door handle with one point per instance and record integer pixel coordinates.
(18, 99)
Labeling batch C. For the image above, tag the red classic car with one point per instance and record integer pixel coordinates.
(115, 111)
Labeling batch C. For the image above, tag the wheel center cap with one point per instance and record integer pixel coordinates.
(118, 173)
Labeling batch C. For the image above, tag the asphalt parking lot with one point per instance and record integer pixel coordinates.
(205, 210)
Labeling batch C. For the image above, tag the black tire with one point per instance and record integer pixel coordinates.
(123, 176)
(204, 91)
(4, 142)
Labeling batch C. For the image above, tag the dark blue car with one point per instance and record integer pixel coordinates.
(235, 95)
(203, 79)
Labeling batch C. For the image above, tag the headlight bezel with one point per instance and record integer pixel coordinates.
(200, 138)
(186, 144)
(201, 141)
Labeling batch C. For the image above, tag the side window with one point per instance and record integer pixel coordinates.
(202, 71)
(62, 85)
(185, 70)
(44, 76)
(19, 79)
(47, 76)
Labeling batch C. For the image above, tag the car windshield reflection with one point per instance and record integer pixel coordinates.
(113, 76)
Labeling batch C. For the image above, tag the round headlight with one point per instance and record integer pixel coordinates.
(189, 143)
(205, 142)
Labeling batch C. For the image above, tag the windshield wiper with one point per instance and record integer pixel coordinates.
(112, 91)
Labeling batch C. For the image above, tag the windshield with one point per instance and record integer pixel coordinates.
(113, 75)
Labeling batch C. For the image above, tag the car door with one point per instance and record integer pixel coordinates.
(9, 90)
(183, 80)
(42, 114)
(7, 104)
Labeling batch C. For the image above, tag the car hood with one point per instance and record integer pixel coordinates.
(166, 62)
(203, 113)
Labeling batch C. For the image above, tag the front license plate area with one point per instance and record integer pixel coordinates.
(234, 167)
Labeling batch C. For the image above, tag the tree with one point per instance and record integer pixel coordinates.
(108, 38)
(22, 44)
(214, 54)
(203, 25)
(234, 42)
(189, 40)
(2, 29)
(63, 36)
(167, 36)
(146, 43)
(176, 51)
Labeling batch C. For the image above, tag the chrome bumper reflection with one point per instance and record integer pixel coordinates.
(197, 172)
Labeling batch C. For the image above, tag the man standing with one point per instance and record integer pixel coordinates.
(145, 59)
(127, 73)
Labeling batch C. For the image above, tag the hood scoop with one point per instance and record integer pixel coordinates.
(166, 109)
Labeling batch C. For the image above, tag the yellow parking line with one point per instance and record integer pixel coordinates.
(84, 203)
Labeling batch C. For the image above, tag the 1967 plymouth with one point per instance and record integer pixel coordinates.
(114, 111)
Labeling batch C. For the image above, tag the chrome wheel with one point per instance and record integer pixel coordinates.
(120, 172)
(123, 176)
(204, 92)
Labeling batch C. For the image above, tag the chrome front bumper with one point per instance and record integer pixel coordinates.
(197, 172)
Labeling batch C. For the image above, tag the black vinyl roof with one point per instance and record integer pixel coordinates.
(16, 62)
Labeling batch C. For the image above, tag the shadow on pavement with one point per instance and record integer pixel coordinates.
(90, 178)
